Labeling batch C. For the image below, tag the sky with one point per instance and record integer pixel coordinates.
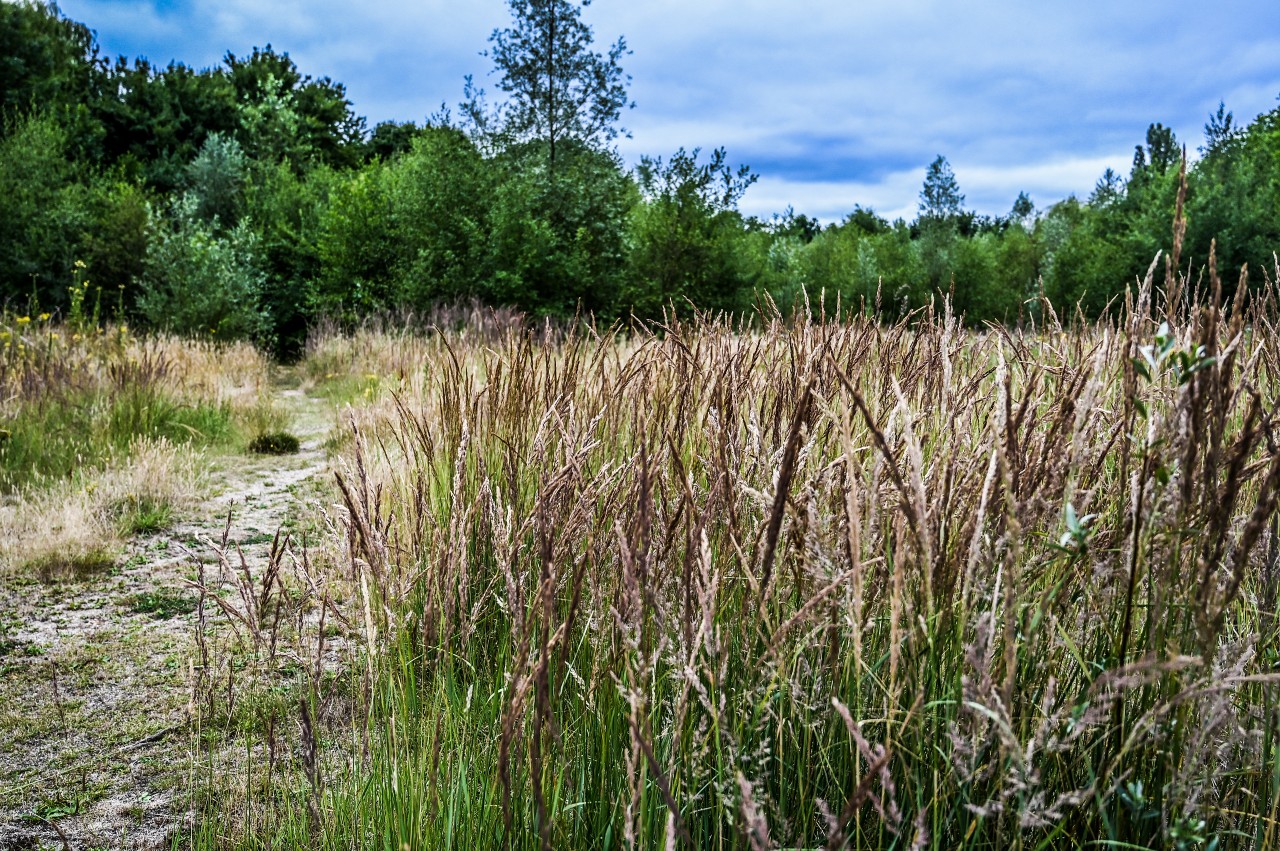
(833, 103)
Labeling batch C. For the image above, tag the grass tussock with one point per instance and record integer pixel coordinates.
(812, 583)
(275, 443)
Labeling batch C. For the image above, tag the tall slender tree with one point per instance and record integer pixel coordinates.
(558, 89)
(940, 199)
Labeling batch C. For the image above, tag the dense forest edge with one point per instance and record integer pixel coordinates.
(247, 200)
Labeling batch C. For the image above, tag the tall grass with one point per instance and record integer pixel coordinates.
(76, 399)
(97, 433)
(814, 583)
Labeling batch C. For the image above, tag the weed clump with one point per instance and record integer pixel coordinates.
(162, 604)
(275, 443)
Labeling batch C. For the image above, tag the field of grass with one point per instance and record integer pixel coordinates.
(811, 583)
(795, 583)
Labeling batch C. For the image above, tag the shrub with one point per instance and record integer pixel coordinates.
(275, 443)
(202, 282)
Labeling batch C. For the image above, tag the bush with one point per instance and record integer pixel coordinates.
(199, 281)
(275, 443)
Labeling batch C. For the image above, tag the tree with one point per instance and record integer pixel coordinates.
(198, 281)
(684, 237)
(46, 60)
(216, 179)
(1109, 188)
(286, 115)
(44, 214)
(1023, 208)
(557, 88)
(1220, 129)
(1162, 151)
(940, 199)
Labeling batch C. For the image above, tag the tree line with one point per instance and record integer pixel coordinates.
(248, 199)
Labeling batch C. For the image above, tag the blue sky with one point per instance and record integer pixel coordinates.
(832, 102)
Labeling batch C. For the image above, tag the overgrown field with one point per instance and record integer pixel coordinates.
(98, 428)
(817, 582)
(806, 583)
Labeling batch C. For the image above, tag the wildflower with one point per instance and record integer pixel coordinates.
(44, 317)
(23, 320)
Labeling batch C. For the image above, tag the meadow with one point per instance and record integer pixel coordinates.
(787, 582)
(808, 582)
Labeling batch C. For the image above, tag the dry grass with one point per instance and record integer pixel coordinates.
(99, 434)
(813, 582)
(77, 526)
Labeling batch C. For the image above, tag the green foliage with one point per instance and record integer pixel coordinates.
(215, 179)
(940, 199)
(441, 180)
(200, 281)
(44, 215)
(389, 139)
(558, 90)
(49, 64)
(285, 115)
(556, 240)
(686, 234)
(1085, 262)
(285, 211)
(356, 250)
(115, 246)
(160, 117)
(275, 443)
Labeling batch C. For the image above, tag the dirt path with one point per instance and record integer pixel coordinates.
(95, 670)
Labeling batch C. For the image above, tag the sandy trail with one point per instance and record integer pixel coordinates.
(94, 673)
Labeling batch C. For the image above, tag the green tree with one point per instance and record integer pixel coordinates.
(115, 244)
(286, 115)
(44, 214)
(1023, 209)
(390, 139)
(439, 201)
(1220, 129)
(216, 179)
(356, 249)
(50, 64)
(557, 239)
(285, 210)
(940, 199)
(557, 89)
(684, 235)
(198, 281)
(159, 118)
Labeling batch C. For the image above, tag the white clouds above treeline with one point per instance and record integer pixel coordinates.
(833, 103)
